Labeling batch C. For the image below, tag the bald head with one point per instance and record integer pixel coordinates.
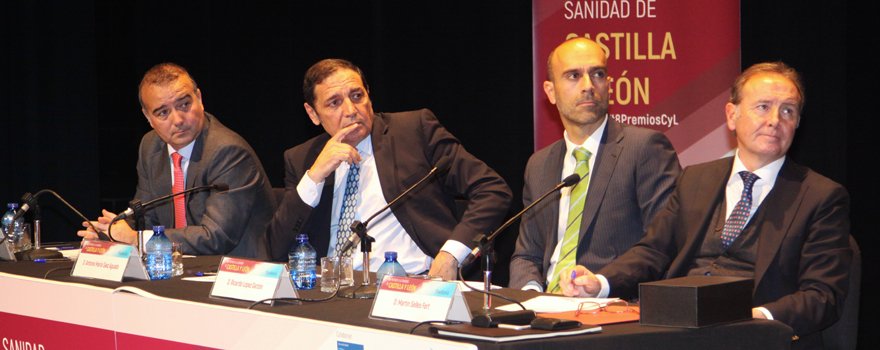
(578, 84)
(574, 46)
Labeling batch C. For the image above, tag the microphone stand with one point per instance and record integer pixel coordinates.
(136, 210)
(485, 244)
(368, 290)
(37, 252)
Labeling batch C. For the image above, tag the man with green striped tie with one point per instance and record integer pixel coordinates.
(627, 174)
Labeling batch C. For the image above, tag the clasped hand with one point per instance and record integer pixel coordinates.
(121, 231)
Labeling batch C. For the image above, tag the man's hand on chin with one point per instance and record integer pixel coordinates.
(445, 265)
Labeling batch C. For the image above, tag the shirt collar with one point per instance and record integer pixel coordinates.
(768, 173)
(185, 152)
(591, 143)
(365, 148)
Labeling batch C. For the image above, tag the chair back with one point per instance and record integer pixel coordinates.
(843, 334)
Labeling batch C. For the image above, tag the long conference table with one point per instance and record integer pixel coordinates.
(65, 312)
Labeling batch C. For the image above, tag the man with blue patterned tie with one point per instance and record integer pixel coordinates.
(627, 174)
(364, 161)
(757, 215)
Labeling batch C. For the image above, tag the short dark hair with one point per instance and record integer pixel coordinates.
(163, 74)
(767, 67)
(321, 70)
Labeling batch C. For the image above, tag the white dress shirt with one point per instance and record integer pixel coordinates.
(733, 193)
(186, 154)
(568, 166)
(389, 234)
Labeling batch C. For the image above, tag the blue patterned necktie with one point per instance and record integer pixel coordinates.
(740, 215)
(346, 215)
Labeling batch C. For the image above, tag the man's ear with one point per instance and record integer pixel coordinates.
(549, 89)
(731, 110)
(312, 114)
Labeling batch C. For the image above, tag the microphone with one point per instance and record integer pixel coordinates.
(440, 169)
(136, 208)
(569, 181)
(27, 201)
(221, 187)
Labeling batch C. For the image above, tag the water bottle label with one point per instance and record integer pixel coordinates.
(251, 280)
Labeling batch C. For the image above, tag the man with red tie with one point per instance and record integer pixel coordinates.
(189, 148)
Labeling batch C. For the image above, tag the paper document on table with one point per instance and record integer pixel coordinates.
(547, 303)
(477, 285)
(200, 279)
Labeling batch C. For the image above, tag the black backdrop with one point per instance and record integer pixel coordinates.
(71, 121)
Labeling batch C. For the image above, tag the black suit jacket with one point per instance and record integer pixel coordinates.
(233, 223)
(406, 147)
(802, 268)
(632, 178)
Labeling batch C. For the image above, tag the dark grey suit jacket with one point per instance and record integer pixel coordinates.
(406, 147)
(802, 267)
(631, 179)
(233, 223)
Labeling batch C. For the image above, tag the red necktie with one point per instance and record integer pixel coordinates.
(179, 201)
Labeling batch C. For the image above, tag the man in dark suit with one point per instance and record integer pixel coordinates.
(757, 215)
(190, 148)
(366, 160)
(627, 175)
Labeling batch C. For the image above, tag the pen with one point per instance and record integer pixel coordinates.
(573, 274)
(50, 260)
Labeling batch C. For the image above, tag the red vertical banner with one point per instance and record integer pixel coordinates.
(672, 63)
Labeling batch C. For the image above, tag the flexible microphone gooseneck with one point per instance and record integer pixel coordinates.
(441, 168)
(136, 209)
(28, 201)
(485, 244)
(571, 180)
(366, 290)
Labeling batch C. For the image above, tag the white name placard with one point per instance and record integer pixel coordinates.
(419, 300)
(252, 280)
(108, 261)
(6, 249)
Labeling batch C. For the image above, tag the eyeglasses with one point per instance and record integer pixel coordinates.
(615, 307)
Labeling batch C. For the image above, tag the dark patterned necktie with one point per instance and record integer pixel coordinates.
(346, 215)
(740, 215)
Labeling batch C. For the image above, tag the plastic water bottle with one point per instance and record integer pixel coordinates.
(158, 250)
(7, 219)
(302, 263)
(19, 240)
(390, 267)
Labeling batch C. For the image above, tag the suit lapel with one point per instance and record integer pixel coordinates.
(549, 179)
(386, 168)
(603, 168)
(162, 176)
(703, 205)
(195, 165)
(322, 214)
(384, 156)
(787, 193)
